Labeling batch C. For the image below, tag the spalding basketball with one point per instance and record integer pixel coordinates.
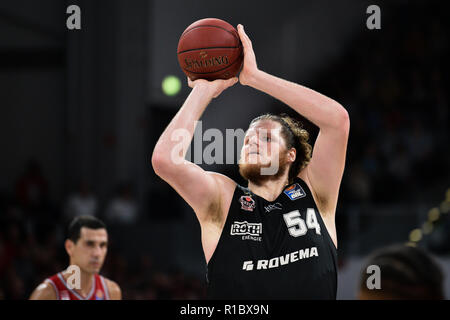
(210, 49)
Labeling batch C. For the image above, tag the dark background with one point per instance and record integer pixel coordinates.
(86, 106)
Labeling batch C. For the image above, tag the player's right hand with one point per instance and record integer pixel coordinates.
(250, 67)
(216, 87)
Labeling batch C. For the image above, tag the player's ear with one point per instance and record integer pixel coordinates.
(68, 245)
(292, 154)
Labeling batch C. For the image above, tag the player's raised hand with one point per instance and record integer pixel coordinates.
(250, 67)
(215, 87)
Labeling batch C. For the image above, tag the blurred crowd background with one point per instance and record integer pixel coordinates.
(81, 111)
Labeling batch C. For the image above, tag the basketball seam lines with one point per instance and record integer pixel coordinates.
(208, 48)
(212, 27)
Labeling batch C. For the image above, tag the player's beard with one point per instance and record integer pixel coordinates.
(252, 171)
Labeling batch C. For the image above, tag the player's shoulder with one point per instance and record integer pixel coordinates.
(113, 289)
(44, 291)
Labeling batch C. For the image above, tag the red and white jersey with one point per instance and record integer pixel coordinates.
(99, 289)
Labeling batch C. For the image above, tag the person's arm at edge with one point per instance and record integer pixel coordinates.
(44, 291)
(114, 290)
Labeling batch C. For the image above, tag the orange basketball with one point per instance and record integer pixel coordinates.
(210, 49)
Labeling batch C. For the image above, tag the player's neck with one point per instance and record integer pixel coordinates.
(86, 282)
(270, 189)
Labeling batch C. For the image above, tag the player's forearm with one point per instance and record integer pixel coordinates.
(180, 130)
(317, 108)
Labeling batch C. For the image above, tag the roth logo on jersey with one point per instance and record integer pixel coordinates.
(248, 231)
(282, 260)
(295, 192)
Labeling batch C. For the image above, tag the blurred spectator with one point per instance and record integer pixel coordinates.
(419, 141)
(32, 187)
(359, 184)
(406, 273)
(123, 208)
(400, 164)
(398, 108)
(81, 202)
(15, 286)
(438, 241)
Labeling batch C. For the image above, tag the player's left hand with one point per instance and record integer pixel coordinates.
(250, 67)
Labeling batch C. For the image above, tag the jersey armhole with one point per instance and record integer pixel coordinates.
(105, 287)
(305, 185)
(237, 187)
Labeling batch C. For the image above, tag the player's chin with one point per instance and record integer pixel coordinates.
(250, 170)
(95, 270)
(94, 267)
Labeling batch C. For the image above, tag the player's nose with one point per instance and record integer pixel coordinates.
(97, 251)
(253, 140)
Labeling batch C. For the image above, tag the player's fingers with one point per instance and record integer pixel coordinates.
(241, 30)
(246, 42)
(223, 84)
(232, 81)
(190, 84)
(241, 33)
(227, 83)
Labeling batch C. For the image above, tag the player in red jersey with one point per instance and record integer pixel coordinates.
(86, 246)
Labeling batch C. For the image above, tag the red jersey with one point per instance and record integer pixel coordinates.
(99, 289)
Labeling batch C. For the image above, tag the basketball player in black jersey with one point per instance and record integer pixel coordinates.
(276, 238)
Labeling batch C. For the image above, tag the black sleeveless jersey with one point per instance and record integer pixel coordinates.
(273, 249)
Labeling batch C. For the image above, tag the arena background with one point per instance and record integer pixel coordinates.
(81, 111)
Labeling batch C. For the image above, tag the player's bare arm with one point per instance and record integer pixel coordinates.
(204, 191)
(115, 292)
(325, 170)
(44, 291)
(198, 187)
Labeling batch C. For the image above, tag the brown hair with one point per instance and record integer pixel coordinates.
(295, 137)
